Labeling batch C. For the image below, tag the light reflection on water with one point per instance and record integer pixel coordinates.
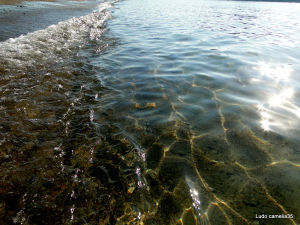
(223, 77)
(281, 110)
(184, 112)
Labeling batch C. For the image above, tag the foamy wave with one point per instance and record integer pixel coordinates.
(54, 43)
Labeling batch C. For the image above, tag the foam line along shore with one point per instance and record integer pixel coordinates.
(59, 158)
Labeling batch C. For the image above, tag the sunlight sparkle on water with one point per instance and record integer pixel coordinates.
(265, 115)
(279, 99)
(265, 69)
(282, 72)
(195, 192)
(265, 124)
(195, 195)
(275, 71)
(260, 107)
(278, 108)
(288, 93)
(281, 105)
(276, 100)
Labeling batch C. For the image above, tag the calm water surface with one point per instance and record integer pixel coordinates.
(154, 112)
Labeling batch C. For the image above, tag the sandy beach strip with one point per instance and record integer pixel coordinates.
(13, 2)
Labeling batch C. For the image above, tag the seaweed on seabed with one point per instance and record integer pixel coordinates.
(62, 186)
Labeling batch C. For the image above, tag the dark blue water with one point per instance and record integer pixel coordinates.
(173, 112)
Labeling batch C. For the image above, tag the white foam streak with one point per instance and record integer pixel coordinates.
(55, 42)
(105, 5)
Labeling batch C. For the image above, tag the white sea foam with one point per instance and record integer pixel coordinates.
(54, 43)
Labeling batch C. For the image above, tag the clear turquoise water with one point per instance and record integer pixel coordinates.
(173, 112)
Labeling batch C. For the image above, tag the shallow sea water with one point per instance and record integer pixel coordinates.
(173, 112)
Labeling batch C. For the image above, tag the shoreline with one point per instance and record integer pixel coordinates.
(22, 17)
(15, 2)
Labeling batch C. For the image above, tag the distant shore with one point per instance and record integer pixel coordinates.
(13, 2)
